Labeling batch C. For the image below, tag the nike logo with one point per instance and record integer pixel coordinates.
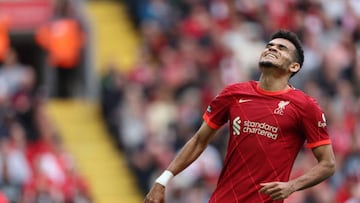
(244, 100)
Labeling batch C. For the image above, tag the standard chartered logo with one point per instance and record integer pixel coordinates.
(252, 127)
(236, 126)
(261, 129)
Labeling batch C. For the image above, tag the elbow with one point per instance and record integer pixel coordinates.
(331, 167)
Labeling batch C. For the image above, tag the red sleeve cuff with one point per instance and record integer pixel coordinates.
(209, 123)
(319, 143)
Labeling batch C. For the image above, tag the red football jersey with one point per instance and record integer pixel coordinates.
(267, 130)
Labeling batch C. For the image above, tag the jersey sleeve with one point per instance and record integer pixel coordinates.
(217, 112)
(314, 123)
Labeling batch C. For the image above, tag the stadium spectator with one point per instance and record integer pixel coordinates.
(4, 37)
(63, 40)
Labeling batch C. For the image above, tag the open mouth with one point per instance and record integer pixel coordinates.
(270, 55)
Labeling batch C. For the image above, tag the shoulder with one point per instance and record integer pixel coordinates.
(303, 99)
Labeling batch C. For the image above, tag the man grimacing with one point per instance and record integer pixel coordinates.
(269, 121)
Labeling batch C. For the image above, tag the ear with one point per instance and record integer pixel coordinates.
(294, 67)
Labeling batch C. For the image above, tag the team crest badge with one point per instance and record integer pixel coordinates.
(281, 107)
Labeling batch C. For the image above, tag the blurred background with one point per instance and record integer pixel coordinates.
(97, 96)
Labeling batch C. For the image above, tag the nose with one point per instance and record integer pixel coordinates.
(272, 48)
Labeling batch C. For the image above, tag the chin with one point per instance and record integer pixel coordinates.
(266, 64)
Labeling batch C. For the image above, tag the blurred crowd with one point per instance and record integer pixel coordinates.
(191, 49)
(34, 165)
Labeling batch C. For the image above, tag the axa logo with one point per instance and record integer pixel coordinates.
(236, 126)
(281, 107)
(322, 124)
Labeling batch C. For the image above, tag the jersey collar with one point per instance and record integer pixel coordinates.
(266, 92)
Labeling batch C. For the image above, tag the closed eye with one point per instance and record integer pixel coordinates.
(282, 47)
(278, 46)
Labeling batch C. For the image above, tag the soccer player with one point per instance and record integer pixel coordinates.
(269, 121)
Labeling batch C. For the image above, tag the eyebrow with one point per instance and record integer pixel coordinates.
(281, 46)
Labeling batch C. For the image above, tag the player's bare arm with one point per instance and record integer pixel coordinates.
(188, 154)
(192, 149)
(322, 170)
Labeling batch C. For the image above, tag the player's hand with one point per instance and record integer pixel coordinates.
(277, 190)
(156, 194)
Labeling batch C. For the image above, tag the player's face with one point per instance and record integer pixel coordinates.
(278, 53)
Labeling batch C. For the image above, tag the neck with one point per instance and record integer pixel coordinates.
(271, 83)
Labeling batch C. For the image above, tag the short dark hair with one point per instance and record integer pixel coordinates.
(293, 38)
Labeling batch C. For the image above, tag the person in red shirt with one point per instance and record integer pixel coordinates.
(269, 121)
